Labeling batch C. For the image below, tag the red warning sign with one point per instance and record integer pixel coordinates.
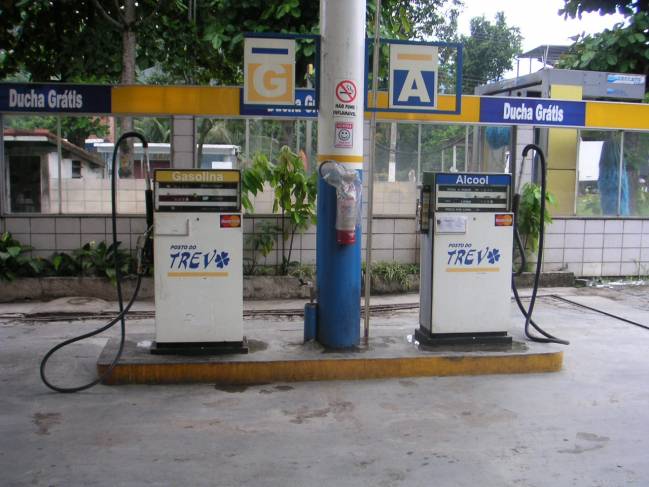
(346, 91)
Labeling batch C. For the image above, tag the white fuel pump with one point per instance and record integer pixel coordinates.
(198, 249)
(466, 227)
(198, 256)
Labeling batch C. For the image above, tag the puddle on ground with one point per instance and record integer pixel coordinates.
(232, 389)
(491, 347)
(256, 346)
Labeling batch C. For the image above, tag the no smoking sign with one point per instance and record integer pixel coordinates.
(346, 91)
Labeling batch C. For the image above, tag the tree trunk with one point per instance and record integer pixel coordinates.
(128, 78)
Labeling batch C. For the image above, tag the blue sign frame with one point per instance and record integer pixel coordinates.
(316, 65)
(299, 110)
(369, 42)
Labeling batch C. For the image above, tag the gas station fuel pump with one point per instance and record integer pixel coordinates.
(198, 255)
(466, 227)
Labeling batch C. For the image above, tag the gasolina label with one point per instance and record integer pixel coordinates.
(190, 261)
(464, 257)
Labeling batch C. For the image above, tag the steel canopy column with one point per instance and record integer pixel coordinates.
(340, 138)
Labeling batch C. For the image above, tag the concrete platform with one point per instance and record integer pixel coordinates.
(277, 355)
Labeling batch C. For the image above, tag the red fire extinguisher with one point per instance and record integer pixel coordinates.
(348, 199)
(346, 219)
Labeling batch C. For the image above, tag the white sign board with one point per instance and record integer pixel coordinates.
(269, 71)
(413, 76)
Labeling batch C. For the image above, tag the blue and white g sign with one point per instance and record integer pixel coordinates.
(269, 71)
(413, 76)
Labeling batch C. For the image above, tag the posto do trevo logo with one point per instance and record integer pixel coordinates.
(463, 257)
(187, 261)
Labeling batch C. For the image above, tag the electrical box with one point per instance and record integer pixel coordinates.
(466, 258)
(198, 254)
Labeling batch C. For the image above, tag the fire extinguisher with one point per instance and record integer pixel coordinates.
(348, 199)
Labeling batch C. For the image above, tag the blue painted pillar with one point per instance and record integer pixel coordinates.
(340, 139)
(338, 277)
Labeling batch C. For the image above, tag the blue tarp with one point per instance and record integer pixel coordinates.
(609, 177)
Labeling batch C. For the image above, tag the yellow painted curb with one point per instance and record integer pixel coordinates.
(256, 372)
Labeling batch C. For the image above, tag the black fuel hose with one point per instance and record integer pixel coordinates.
(123, 310)
(109, 370)
(527, 313)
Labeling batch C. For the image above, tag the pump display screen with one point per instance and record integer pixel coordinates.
(469, 192)
(197, 190)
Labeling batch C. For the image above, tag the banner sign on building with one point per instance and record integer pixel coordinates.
(509, 111)
(413, 76)
(304, 107)
(269, 71)
(59, 98)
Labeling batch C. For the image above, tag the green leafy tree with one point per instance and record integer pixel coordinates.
(294, 197)
(61, 41)
(623, 48)
(489, 51)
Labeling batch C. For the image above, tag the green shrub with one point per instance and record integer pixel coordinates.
(261, 243)
(98, 259)
(13, 261)
(394, 271)
(301, 271)
(64, 265)
(294, 197)
(529, 214)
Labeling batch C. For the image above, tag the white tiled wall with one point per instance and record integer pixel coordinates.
(587, 247)
(598, 247)
(394, 239)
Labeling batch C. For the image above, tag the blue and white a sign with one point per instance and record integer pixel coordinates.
(60, 98)
(413, 76)
(532, 111)
(305, 100)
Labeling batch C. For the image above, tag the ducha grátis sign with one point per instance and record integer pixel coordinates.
(54, 97)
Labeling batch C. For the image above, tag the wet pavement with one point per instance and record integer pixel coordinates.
(587, 425)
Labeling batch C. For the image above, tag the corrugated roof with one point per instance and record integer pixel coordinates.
(547, 53)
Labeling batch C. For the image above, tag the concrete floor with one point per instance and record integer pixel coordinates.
(587, 425)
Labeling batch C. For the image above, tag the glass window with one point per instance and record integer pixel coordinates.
(496, 146)
(31, 155)
(219, 142)
(599, 177)
(636, 168)
(76, 169)
(131, 168)
(233, 143)
(444, 148)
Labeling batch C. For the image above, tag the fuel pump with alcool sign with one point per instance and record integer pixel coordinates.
(468, 231)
